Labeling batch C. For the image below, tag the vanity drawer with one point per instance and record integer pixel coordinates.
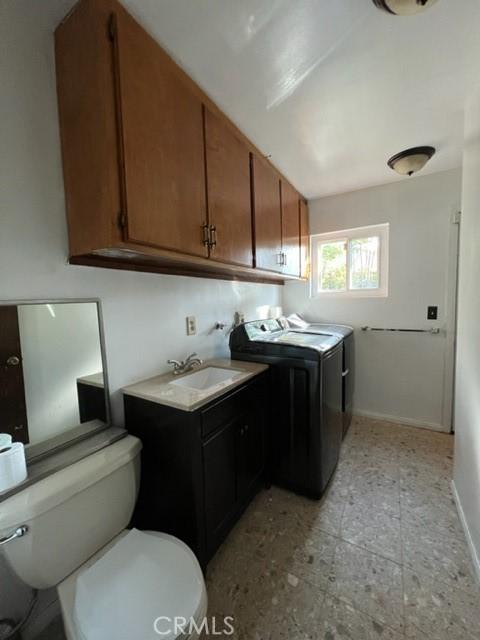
(225, 409)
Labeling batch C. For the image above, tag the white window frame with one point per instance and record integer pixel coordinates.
(382, 231)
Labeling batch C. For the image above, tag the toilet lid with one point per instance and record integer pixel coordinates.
(138, 588)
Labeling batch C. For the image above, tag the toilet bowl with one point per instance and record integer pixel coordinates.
(102, 599)
(111, 582)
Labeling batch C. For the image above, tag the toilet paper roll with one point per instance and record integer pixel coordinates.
(5, 440)
(13, 467)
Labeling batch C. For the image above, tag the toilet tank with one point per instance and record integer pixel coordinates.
(71, 514)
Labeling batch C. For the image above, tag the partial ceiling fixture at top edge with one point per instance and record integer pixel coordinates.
(403, 7)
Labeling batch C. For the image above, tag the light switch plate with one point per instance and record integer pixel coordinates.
(191, 325)
(432, 313)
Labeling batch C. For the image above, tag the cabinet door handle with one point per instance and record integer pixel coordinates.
(245, 428)
(13, 361)
(206, 235)
(280, 258)
(213, 236)
(284, 260)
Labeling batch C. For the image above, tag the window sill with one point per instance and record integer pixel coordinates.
(350, 295)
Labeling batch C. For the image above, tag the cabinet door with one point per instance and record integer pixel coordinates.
(162, 144)
(304, 240)
(13, 409)
(251, 450)
(228, 188)
(290, 230)
(220, 482)
(267, 216)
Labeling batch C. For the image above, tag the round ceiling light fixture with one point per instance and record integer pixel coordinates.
(408, 162)
(403, 7)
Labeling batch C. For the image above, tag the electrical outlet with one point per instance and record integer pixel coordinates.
(238, 318)
(191, 325)
(432, 313)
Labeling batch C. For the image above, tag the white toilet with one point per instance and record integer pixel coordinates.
(111, 582)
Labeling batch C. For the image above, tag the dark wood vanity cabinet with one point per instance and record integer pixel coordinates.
(200, 469)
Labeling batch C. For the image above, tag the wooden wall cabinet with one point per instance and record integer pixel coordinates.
(228, 188)
(277, 221)
(290, 229)
(304, 240)
(156, 176)
(267, 215)
(162, 144)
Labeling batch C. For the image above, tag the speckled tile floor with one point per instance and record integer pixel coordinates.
(382, 556)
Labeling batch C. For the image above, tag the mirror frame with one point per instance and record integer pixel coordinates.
(77, 433)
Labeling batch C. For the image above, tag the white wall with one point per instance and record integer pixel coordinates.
(467, 384)
(403, 377)
(144, 314)
(60, 343)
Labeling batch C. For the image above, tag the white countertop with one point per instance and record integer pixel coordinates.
(94, 379)
(158, 389)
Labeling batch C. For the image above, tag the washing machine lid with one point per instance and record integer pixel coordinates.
(318, 342)
(341, 330)
(297, 322)
(138, 588)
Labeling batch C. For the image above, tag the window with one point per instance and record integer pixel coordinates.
(351, 263)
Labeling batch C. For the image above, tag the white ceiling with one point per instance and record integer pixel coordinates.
(329, 88)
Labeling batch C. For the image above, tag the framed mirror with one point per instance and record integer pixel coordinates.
(53, 377)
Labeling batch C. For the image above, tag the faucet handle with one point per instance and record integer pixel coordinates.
(188, 358)
(177, 365)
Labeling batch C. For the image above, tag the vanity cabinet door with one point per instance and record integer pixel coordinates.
(220, 483)
(251, 452)
(162, 144)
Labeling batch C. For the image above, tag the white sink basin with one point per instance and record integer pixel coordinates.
(207, 378)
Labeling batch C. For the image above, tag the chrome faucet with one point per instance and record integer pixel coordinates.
(182, 366)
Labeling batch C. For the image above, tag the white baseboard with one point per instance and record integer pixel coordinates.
(463, 520)
(399, 420)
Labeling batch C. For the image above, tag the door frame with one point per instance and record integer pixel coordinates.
(451, 300)
(47, 447)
